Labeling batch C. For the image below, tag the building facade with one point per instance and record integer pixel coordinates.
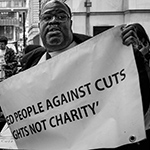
(33, 19)
(94, 16)
(12, 20)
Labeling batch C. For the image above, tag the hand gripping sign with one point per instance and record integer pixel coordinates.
(87, 97)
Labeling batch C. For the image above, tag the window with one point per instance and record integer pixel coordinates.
(7, 15)
(7, 31)
(12, 3)
(3, 4)
(100, 29)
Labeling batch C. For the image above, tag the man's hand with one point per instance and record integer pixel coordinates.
(129, 37)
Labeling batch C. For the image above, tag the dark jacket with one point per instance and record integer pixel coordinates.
(10, 68)
(33, 57)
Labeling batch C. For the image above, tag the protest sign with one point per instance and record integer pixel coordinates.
(87, 97)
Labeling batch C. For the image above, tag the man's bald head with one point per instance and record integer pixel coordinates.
(55, 4)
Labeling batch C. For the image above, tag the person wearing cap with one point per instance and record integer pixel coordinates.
(8, 59)
(57, 36)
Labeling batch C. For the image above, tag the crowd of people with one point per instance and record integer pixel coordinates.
(57, 36)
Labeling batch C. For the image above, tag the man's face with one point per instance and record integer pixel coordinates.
(2, 45)
(55, 26)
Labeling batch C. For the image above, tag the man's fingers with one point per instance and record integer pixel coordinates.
(128, 41)
(129, 36)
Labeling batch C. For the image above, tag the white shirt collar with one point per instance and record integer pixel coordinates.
(43, 58)
(58, 52)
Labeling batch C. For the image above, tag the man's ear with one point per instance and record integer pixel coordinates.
(39, 25)
(70, 23)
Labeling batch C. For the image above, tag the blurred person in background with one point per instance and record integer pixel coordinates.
(8, 59)
(8, 67)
